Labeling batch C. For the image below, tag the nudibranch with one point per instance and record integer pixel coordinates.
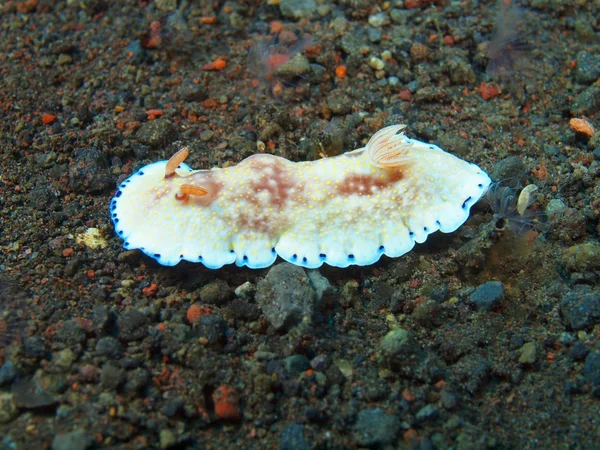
(345, 210)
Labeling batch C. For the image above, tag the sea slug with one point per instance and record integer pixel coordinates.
(345, 210)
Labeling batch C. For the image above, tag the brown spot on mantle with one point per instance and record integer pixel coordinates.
(359, 184)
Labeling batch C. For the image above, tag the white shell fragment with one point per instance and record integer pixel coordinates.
(345, 210)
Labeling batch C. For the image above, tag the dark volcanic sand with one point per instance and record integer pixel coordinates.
(484, 338)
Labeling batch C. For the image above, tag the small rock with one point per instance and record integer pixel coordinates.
(376, 63)
(245, 291)
(580, 311)
(156, 133)
(510, 169)
(137, 380)
(582, 257)
(378, 20)
(29, 395)
(108, 346)
(285, 296)
(216, 292)
(319, 283)
(78, 439)
(460, 71)
(339, 102)
(211, 327)
(586, 103)
(588, 67)
(8, 373)
(167, 439)
(448, 400)
(62, 361)
(591, 369)
(298, 9)
(375, 428)
(89, 172)
(427, 412)
(320, 363)
(111, 377)
(8, 407)
(488, 296)
(296, 66)
(395, 342)
(64, 59)
(227, 403)
(528, 354)
(296, 364)
(133, 325)
(292, 438)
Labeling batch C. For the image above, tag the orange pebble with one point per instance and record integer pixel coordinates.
(196, 311)
(275, 26)
(150, 290)
(227, 402)
(582, 126)
(217, 64)
(67, 252)
(48, 119)
(340, 72)
(488, 90)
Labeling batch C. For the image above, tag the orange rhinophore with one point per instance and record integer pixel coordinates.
(189, 189)
(174, 161)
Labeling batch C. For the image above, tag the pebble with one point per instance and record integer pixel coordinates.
(30, 395)
(167, 439)
(63, 360)
(286, 296)
(579, 351)
(460, 71)
(132, 325)
(296, 66)
(78, 439)
(64, 59)
(156, 133)
(528, 354)
(510, 170)
(319, 283)
(71, 333)
(211, 327)
(296, 364)
(111, 376)
(580, 310)
(395, 342)
(375, 428)
(587, 102)
(108, 346)
(292, 438)
(245, 291)
(320, 363)
(298, 9)
(339, 102)
(378, 20)
(8, 373)
(376, 63)
(488, 296)
(45, 160)
(427, 412)
(588, 67)
(217, 293)
(591, 371)
(89, 172)
(8, 407)
(554, 206)
(582, 257)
